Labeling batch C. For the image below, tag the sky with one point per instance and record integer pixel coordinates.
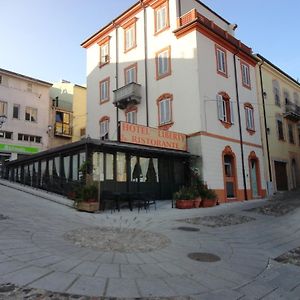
(41, 38)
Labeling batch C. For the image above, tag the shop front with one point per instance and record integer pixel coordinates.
(116, 166)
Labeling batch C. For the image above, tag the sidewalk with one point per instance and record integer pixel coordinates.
(47, 248)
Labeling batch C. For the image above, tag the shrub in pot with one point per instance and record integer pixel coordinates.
(87, 199)
(184, 198)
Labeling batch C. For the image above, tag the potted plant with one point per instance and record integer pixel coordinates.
(87, 198)
(209, 197)
(184, 198)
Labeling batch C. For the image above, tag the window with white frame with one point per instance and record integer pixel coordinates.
(130, 74)
(104, 90)
(165, 111)
(130, 37)
(221, 61)
(131, 116)
(161, 17)
(163, 63)
(225, 109)
(245, 75)
(249, 118)
(104, 53)
(104, 128)
(31, 114)
(3, 108)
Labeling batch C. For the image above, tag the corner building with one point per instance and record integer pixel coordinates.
(177, 66)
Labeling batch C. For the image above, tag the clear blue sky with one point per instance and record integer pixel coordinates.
(41, 38)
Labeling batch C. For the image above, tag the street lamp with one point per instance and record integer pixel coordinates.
(2, 120)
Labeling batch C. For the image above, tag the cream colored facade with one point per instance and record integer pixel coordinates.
(230, 155)
(67, 113)
(279, 99)
(25, 103)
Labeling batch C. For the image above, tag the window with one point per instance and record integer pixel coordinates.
(279, 125)
(3, 108)
(164, 103)
(245, 75)
(104, 91)
(221, 61)
(130, 74)
(104, 51)
(130, 34)
(225, 109)
(249, 117)
(104, 128)
(6, 135)
(29, 87)
(276, 91)
(0, 79)
(16, 111)
(161, 15)
(298, 134)
(31, 114)
(29, 138)
(82, 132)
(291, 133)
(63, 123)
(286, 96)
(163, 63)
(131, 116)
(296, 98)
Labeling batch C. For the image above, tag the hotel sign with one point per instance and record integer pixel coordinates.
(147, 136)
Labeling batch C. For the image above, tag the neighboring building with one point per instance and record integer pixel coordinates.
(176, 65)
(279, 98)
(67, 113)
(25, 103)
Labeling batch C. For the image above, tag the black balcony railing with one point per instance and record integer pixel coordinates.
(292, 111)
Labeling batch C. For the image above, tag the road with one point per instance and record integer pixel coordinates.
(50, 247)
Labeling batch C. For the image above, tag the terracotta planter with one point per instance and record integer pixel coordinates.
(184, 204)
(208, 202)
(197, 202)
(87, 206)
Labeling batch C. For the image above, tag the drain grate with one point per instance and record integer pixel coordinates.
(204, 257)
(188, 228)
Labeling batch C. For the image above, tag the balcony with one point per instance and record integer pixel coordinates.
(128, 94)
(292, 111)
(63, 130)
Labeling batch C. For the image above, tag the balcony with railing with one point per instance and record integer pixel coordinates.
(292, 111)
(128, 94)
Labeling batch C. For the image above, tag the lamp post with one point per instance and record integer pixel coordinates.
(3, 119)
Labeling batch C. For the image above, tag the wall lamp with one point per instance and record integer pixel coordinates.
(3, 119)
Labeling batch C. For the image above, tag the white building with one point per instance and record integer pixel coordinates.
(176, 65)
(25, 103)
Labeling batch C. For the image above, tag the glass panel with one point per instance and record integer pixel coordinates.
(50, 164)
(109, 167)
(75, 167)
(82, 158)
(57, 165)
(96, 166)
(228, 165)
(121, 167)
(135, 169)
(144, 163)
(67, 166)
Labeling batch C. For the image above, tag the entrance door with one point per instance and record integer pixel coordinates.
(281, 176)
(253, 176)
(230, 179)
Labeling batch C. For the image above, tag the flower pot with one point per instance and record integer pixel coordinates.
(197, 202)
(208, 202)
(87, 206)
(184, 204)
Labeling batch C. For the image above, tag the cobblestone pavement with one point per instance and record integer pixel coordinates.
(39, 261)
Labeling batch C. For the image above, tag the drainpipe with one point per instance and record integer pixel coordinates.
(117, 69)
(146, 63)
(265, 120)
(240, 126)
